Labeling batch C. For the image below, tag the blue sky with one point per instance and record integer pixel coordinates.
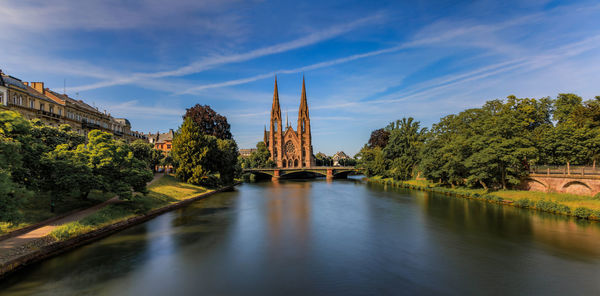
(366, 63)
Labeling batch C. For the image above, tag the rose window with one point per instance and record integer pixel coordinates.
(289, 148)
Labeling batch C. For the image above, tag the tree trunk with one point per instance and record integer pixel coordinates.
(503, 178)
(483, 184)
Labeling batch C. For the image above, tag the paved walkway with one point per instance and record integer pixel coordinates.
(17, 245)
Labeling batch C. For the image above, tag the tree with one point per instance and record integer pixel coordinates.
(114, 166)
(565, 105)
(371, 161)
(194, 154)
(209, 122)
(379, 138)
(228, 165)
(12, 194)
(69, 173)
(403, 148)
(258, 158)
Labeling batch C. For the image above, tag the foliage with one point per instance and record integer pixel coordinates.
(114, 166)
(199, 157)
(379, 138)
(258, 158)
(37, 160)
(209, 122)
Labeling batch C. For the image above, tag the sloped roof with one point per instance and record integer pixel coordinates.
(13, 81)
(164, 137)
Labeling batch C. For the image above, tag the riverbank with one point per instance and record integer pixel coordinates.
(166, 194)
(585, 207)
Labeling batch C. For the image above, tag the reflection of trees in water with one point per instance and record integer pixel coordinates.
(555, 233)
(203, 217)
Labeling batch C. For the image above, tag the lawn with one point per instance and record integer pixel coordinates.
(165, 191)
(570, 200)
(37, 209)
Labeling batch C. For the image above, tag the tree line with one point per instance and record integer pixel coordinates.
(491, 147)
(38, 160)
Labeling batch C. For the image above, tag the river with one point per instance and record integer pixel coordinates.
(316, 237)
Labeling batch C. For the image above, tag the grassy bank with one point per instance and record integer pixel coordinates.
(164, 191)
(37, 209)
(586, 207)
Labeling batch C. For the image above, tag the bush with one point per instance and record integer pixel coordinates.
(553, 207)
(524, 203)
(582, 212)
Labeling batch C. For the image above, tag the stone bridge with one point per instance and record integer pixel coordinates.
(329, 172)
(566, 183)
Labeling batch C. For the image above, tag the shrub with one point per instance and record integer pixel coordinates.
(524, 203)
(582, 212)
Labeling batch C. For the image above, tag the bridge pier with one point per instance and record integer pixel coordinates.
(276, 175)
(329, 175)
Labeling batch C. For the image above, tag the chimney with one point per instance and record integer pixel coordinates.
(39, 86)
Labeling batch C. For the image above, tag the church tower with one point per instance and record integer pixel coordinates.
(304, 135)
(290, 148)
(276, 133)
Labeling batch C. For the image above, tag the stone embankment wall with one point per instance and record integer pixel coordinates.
(572, 184)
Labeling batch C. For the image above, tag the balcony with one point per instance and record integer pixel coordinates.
(47, 114)
(89, 125)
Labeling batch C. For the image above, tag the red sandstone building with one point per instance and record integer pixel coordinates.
(290, 148)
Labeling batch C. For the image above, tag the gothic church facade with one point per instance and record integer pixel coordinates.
(290, 148)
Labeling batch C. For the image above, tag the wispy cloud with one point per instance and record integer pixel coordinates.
(421, 39)
(211, 62)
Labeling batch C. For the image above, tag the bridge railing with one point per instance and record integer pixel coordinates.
(305, 168)
(565, 170)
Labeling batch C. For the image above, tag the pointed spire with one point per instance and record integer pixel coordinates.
(275, 109)
(303, 103)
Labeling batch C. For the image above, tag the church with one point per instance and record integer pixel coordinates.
(290, 148)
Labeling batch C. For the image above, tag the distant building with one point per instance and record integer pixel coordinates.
(246, 152)
(290, 148)
(33, 100)
(339, 157)
(162, 141)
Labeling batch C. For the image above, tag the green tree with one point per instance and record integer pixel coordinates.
(371, 161)
(194, 154)
(114, 166)
(403, 149)
(228, 165)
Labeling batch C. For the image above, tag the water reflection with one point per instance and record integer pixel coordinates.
(320, 237)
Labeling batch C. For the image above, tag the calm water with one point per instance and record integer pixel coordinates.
(320, 238)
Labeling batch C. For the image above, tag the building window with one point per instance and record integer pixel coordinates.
(51, 109)
(32, 104)
(1, 98)
(168, 146)
(14, 101)
(42, 107)
(60, 112)
(20, 101)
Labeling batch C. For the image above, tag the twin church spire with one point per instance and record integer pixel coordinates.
(290, 148)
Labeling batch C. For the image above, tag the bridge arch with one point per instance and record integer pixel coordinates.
(576, 187)
(534, 184)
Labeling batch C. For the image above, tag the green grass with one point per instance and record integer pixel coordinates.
(560, 203)
(37, 209)
(165, 191)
